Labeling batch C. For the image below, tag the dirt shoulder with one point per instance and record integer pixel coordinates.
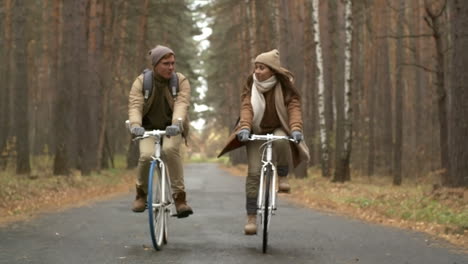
(25, 198)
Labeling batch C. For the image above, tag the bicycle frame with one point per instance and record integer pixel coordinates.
(157, 161)
(158, 212)
(266, 201)
(267, 161)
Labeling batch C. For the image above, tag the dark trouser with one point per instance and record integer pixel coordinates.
(281, 154)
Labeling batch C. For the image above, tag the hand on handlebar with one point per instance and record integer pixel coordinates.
(137, 131)
(297, 136)
(243, 135)
(172, 130)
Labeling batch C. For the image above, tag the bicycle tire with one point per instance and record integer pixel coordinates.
(267, 211)
(169, 201)
(155, 208)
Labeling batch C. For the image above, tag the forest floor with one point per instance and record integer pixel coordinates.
(23, 198)
(418, 206)
(441, 212)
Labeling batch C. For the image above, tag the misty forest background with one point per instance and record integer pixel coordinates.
(383, 82)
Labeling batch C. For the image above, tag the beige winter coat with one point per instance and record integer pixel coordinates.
(137, 107)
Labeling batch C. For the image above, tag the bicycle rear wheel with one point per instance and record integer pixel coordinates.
(267, 211)
(155, 206)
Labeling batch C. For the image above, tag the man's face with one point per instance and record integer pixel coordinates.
(165, 67)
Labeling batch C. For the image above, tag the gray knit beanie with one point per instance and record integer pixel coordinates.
(157, 53)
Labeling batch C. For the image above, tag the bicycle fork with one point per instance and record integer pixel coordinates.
(261, 191)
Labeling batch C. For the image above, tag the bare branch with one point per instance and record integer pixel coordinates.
(429, 22)
(432, 13)
(419, 66)
(406, 36)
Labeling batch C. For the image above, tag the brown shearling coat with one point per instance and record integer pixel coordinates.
(293, 106)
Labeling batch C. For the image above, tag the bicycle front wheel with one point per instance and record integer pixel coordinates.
(267, 206)
(168, 204)
(156, 211)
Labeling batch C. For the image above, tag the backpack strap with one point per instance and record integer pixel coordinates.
(174, 84)
(147, 83)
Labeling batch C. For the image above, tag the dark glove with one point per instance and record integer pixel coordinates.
(243, 135)
(137, 131)
(297, 135)
(172, 130)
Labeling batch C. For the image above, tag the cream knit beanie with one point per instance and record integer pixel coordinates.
(271, 59)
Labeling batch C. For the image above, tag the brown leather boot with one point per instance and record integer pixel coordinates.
(251, 226)
(182, 208)
(139, 205)
(283, 184)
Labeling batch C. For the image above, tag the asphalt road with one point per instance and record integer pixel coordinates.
(108, 232)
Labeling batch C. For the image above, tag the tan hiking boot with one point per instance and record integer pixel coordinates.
(283, 185)
(139, 205)
(182, 208)
(251, 226)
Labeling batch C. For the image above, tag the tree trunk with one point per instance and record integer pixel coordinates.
(343, 107)
(374, 84)
(86, 90)
(324, 159)
(458, 123)
(93, 147)
(331, 63)
(5, 89)
(385, 101)
(132, 154)
(65, 111)
(250, 11)
(399, 95)
(20, 88)
(348, 119)
(436, 25)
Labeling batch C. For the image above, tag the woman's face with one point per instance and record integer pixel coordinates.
(262, 72)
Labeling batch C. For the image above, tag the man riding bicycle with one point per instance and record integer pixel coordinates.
(162, 109)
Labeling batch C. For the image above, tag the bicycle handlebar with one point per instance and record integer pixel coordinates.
(269, 137)
(152, 133)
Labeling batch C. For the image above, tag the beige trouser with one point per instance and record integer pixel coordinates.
(281, 153)
(171, 157)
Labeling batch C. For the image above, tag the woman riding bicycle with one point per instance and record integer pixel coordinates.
(270, 104)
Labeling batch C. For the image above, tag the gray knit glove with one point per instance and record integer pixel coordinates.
(243, 135)
(297, 135)
(137, 131)
(172, 130)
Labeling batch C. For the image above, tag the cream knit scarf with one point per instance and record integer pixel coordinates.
(258, 105)
(257, 99)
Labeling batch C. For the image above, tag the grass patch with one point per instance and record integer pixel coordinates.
(415, 205)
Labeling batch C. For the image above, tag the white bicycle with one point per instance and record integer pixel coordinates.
(266, 201)
(160, 203)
